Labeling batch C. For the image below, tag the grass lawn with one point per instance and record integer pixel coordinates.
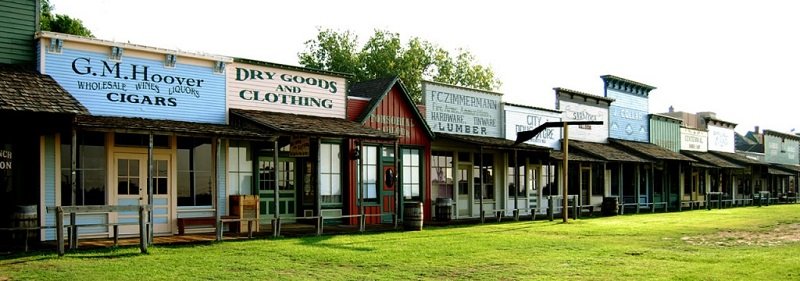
(732, 244)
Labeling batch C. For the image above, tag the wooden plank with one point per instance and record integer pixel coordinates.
(98, 208)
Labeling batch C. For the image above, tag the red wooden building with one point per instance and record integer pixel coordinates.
(392, 173)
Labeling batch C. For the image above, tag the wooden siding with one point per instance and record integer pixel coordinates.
(49, 185)
(721, 139)
(523, 119)
(285, 91)
(17, 26)
(394, 115)
(222, 180)
(665, 134)
(193, 101)
(694, 140)
(780, 150)
(628, 116)
(355, 106)
(579, 110)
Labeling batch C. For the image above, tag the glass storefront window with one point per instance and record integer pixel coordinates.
(412, 177)
(195, 172)
(90, 169)
(240, 168)
(330, 173)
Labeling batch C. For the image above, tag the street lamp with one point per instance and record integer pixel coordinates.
(527, 135)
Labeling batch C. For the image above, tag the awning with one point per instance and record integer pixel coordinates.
(793, 169)
(293, 124)
(711, 159)
(573, 156)
(141, 125)
(605, 152)
(778, 172)
(737, 158)
(490, 142)
(24, 90)
(649, 150)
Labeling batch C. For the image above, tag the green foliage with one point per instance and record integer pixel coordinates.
(384, 55)
(631, 247)
(48, 21)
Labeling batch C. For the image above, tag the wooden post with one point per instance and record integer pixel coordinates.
(480, 189)
(361, 221)
(142, 230)
(398, 187)
(516, 187)
(150, 187)
(565, 163)
(116, 235)
(638, 186)
(550, 206)
(60, 230)
(74, 187)
(276, 197)
(216, 148)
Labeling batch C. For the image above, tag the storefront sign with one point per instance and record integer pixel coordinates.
(300, 147)
(5, 158)
(257, 87)
(721, 139)
(138, 85)
(573, 111)
(694, 140)
(462, 111)
(628, 118)
(520, 119)
(396, 125)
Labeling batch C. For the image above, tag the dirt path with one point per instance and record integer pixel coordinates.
(782, 234)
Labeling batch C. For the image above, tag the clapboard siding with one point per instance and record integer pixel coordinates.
(628, 115)
(49, 184)
(665, 134)
(222, 196)
(205, 104)
(282, 93)
(17, 26)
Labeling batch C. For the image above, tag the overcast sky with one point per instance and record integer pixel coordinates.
(740, 59)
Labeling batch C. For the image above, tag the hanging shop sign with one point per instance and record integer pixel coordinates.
(137, 83)
(462, 111)
(520, 119)
(694, 140)
(300, 147)
(274, 89)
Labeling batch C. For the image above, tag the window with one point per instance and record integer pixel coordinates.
(330, 174)
(128, 176)
(195, 172)
(240, 168)
(160, 177)
(483, 171)
(285, 174)
(513, 189)
(550, 184)
(369, 168)
(411, 174)
(442, 174)
(90, 178)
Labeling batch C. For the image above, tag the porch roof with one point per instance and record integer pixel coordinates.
(605, 152)
(778, 172)
(711, 159)
(293, 124)
(491, 142)
(737, 158)
(138, 125)
(574, 156)
(788, 168)
(25, 90)
(650, 150)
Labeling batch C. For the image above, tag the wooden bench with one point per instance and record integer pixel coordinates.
(209, 221)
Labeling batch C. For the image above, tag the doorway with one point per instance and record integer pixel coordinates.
(285, 177)
(130, 170)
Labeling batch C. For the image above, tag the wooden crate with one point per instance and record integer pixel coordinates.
(242, 207)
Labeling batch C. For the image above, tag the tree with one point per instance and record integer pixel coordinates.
(48, 21)
(384, 55)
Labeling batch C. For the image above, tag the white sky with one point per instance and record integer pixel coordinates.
(740, 59)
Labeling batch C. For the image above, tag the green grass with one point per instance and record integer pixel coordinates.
(632, 247)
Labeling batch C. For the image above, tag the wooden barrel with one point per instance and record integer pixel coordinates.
(444, 209)
(25, 216)
(412, 216)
